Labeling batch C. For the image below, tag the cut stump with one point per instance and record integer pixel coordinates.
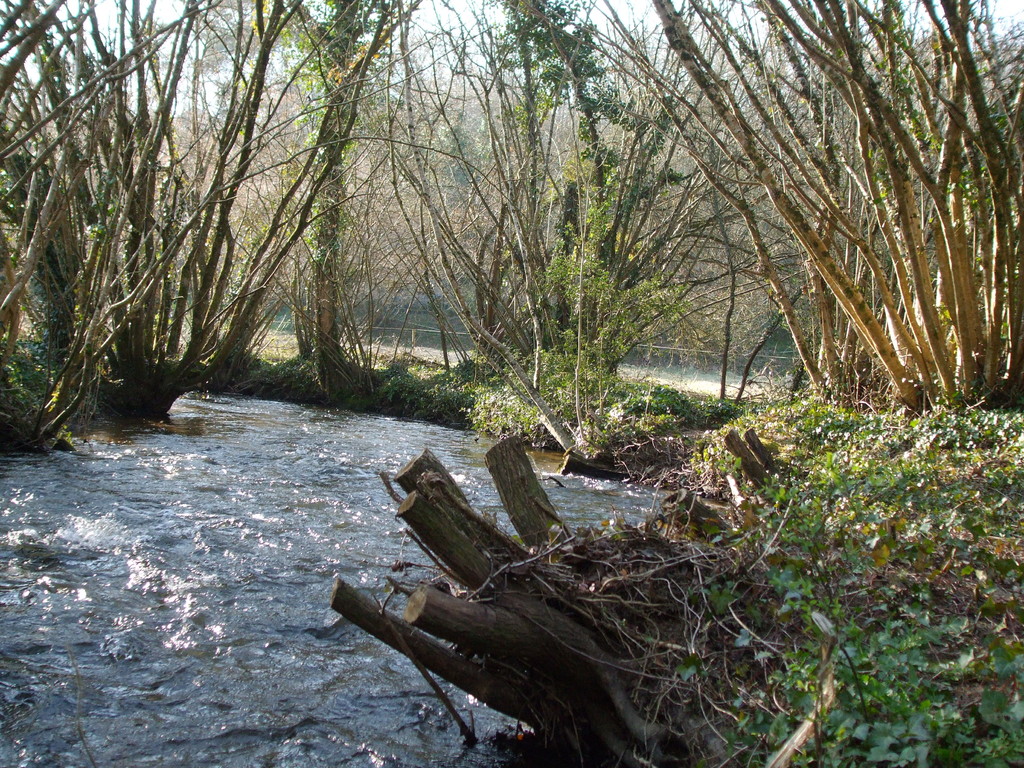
(547, 631)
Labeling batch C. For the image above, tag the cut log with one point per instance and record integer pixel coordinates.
(760, 451)
(554, 638)
(528, 507)
(514, 626)
(686, 509)
(489, 688)
(428, 475)
(442, 492)
(518, 627)
(753, 469)
(425, 462)
(441, 532)
(575, 464)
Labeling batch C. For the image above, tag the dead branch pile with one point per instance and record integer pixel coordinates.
(632, 644)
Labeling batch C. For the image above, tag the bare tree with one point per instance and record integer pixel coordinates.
(156, 175)
(58, 86)
(354, 268)
(348, 281)
(888, 138)
(556, 212)
(240, 195)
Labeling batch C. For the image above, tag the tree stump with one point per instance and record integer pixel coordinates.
(755, 460)
(528, 507)
(529, 631)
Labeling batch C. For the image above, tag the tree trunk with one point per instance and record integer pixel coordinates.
(526, 503)
(495, 692)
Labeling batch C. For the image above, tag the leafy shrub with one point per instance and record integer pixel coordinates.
(646, 403)
(294, 380)
(438, 395)
(24, 389)
(499, 412)
(908, 534)
(627, 411)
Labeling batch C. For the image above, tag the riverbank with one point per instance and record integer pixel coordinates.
(862, 606)
(903, 532)
(907, 534)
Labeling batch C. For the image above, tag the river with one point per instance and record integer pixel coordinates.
(164, 592)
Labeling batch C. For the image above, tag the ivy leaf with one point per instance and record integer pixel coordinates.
(881, 752)
(881, 554)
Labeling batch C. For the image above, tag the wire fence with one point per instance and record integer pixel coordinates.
(688, 368)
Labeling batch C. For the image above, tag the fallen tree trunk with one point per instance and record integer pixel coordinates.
(574, 463)
(517, 626)
(687, 510)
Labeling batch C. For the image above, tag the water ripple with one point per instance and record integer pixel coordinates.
(164, 590)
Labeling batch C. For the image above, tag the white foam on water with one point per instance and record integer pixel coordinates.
(102, 533)
(24, 537)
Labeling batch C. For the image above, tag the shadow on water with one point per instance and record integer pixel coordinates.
(164, 590)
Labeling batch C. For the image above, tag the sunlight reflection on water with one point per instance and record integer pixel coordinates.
(164, 590)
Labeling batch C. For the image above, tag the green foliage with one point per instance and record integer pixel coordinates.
(294, 380)
(655, 409)
(908, 533)
(619, 412)
(24, 387)
(438, 395)
(413, 391)
(499, 412)
(542, 41)
(27, 396)
(606, 316)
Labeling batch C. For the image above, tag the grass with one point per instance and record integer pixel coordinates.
(280, 345)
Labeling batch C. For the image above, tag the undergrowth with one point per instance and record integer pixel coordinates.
(25, 390)
(293, 380)
(629, 412)
(432, 393)
(907, 533)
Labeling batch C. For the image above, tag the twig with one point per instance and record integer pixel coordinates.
(826, 695)
(386, 479)
(468, 734)
(521, 563)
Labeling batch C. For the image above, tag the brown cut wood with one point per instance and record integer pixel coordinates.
(498, 693)
(528, 507)
(425, 462)
(686, 508)
(752, 467)
(440, 532)
(519, 627)
(443, 493)
(760, 451)
(575, 464)
(434, 482)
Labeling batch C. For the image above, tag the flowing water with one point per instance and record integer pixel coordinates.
(164, 592)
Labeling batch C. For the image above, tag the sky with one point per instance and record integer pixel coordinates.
(1008, 9)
